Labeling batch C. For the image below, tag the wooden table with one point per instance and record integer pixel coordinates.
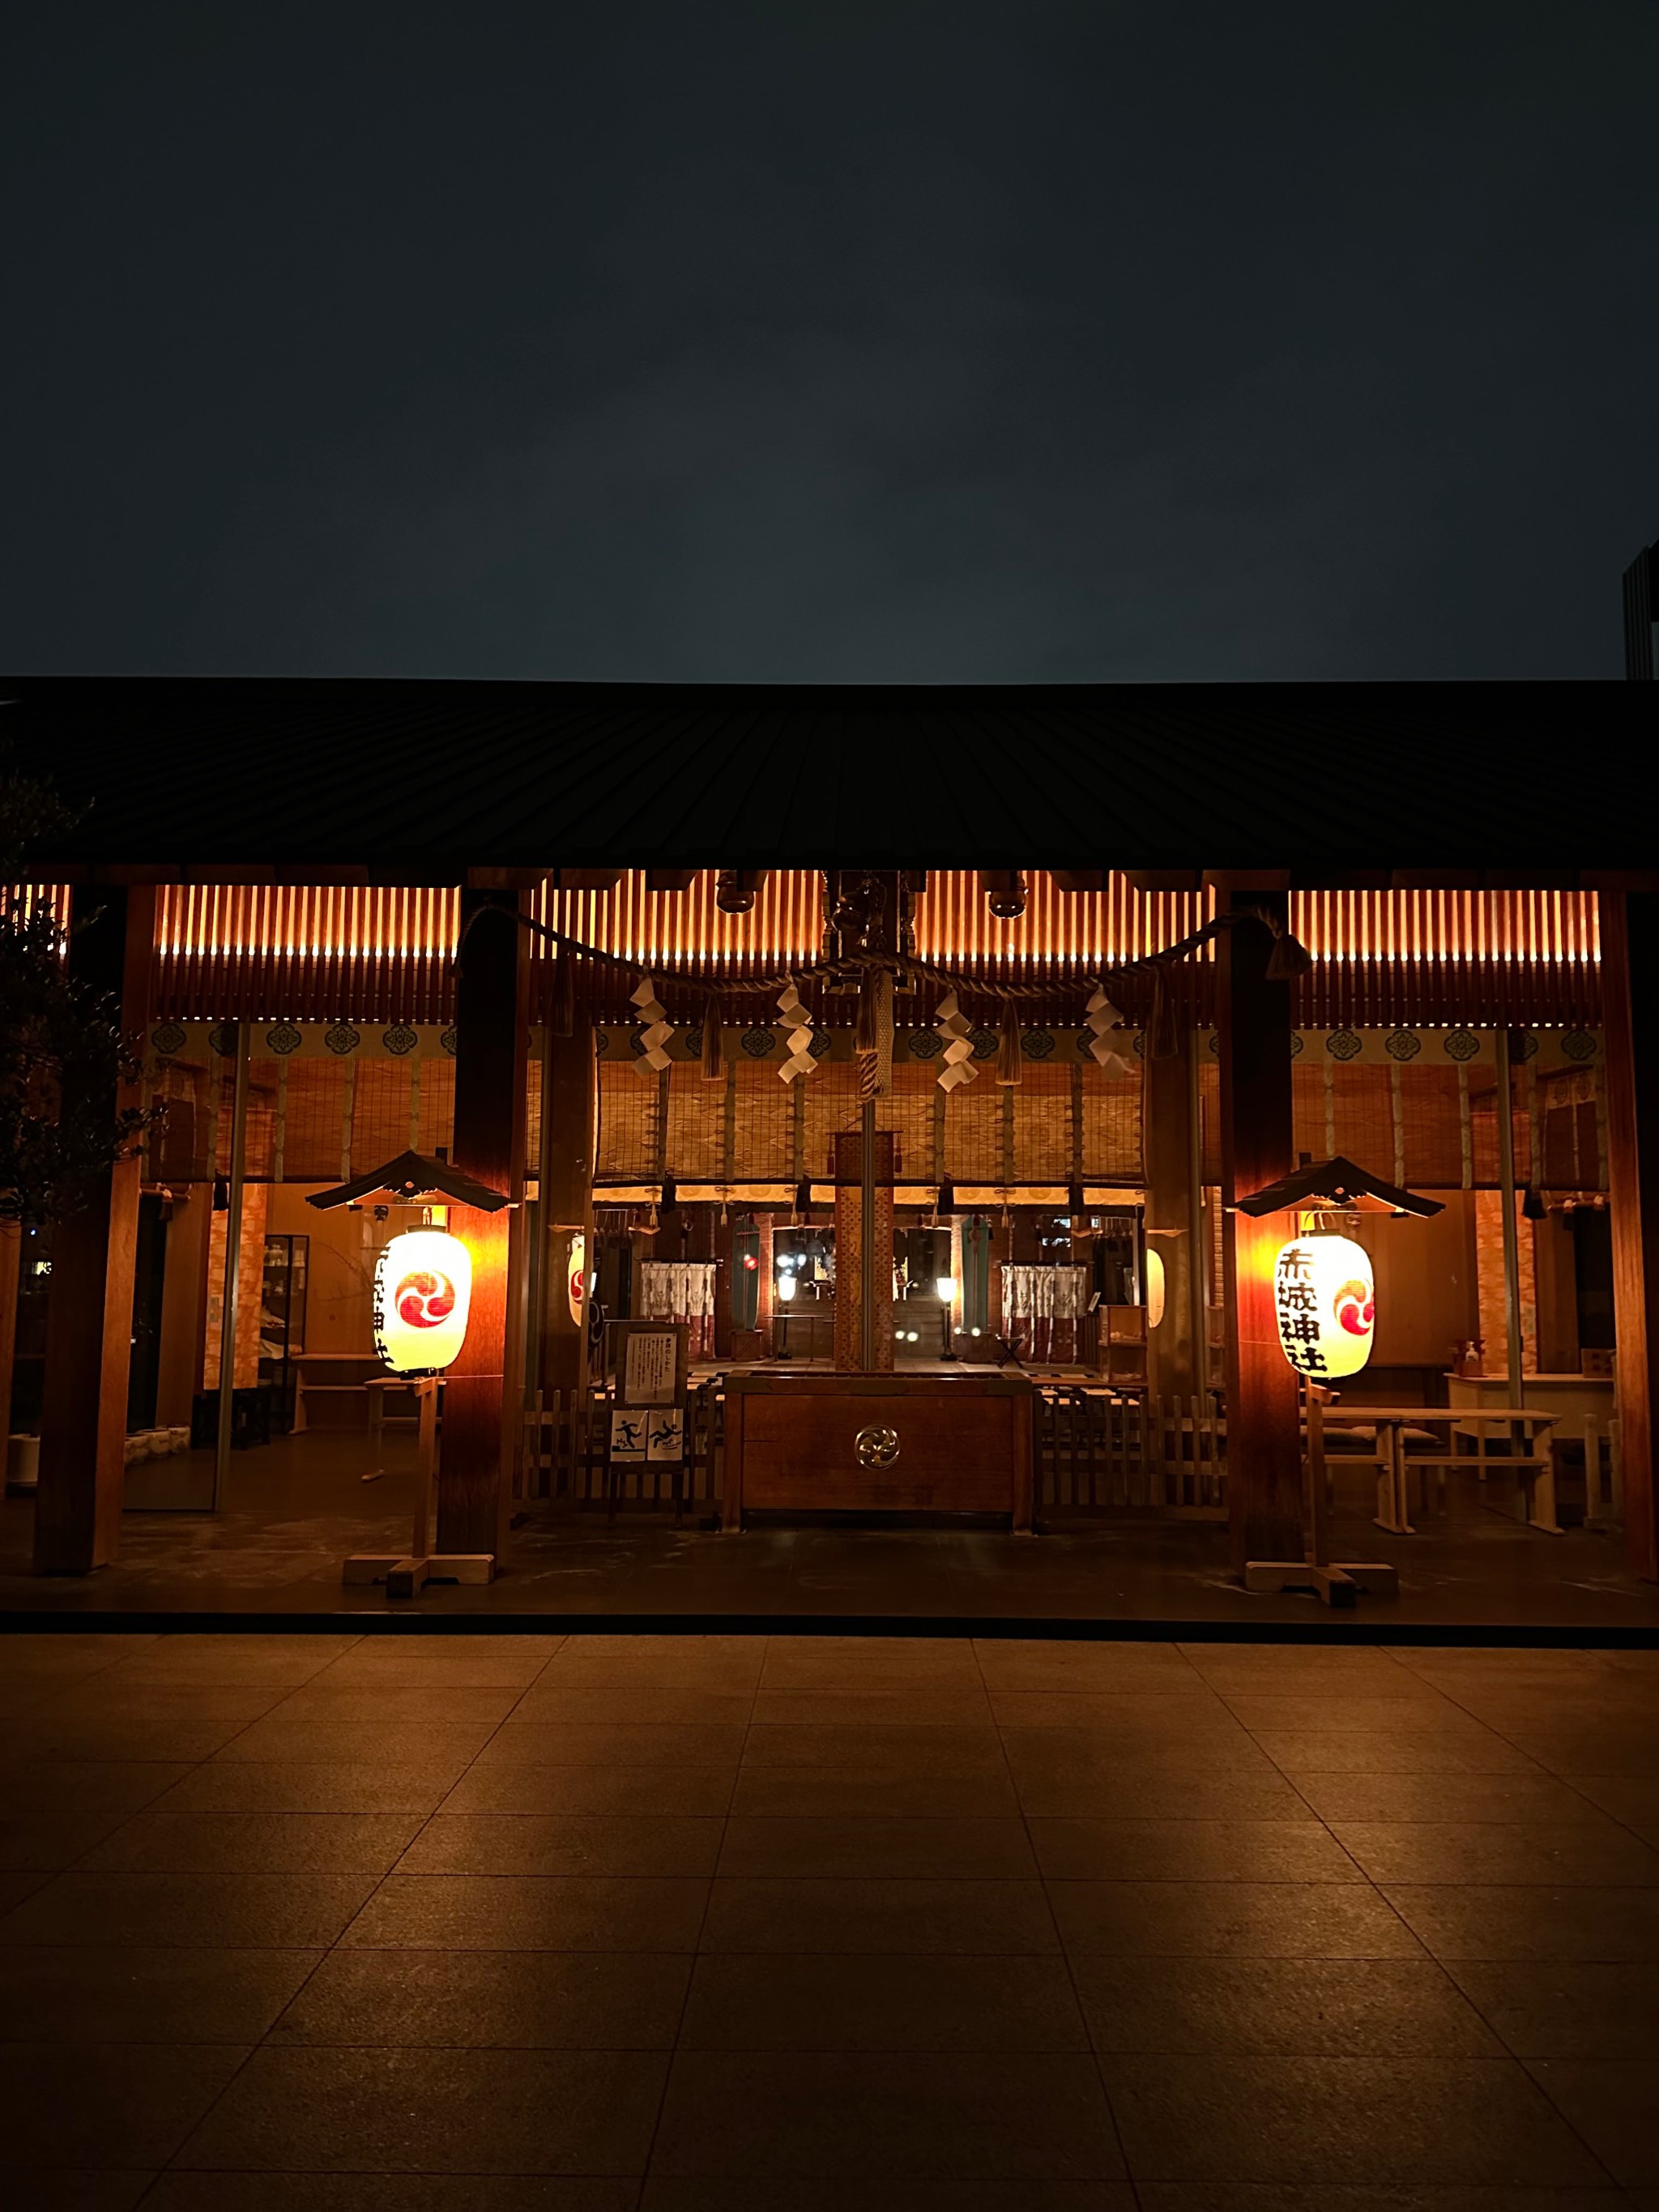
(1586, 1408)
(1536, 1466)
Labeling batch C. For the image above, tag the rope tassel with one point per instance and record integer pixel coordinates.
(1010, 1067)
(873, 1039)
(713, 1043)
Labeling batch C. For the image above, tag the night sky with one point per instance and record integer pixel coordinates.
(824, 340)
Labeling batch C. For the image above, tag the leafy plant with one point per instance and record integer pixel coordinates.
(63, 1056)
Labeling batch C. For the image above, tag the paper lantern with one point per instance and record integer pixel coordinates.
(1155, 1288)
(422, 1288)
(576, 1276)
(1325, 1296)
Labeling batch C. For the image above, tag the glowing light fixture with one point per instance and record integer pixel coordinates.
(786, 1285)
(1325, 1297)
(946, 1287)
(576, 1277)
(1155, 1287)
(422, 1290)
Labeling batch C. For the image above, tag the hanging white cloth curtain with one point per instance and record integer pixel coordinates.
(1044, 1305)
(681, 1290)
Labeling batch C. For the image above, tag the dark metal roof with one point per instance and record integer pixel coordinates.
(421, 780)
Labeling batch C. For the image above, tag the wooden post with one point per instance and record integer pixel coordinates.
(1264, 1452)
(482, 1406)
(84, 1423)
(1630, 977)
(11, 1255)
(863, 1331)
(1174, 1368)
(566, 1201)
(1504, 1105)
(231, 1290)
(184, 1303)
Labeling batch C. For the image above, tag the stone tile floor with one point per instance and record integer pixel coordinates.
(488, 1923)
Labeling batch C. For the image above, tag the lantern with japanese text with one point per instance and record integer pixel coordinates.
(422, 1288)
(1325, 1298)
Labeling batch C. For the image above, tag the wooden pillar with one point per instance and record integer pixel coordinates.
(1258, 1145)
(1174, 1366)
(767, 1259)
(11, 1258)
(184, 1304)
(1630, 980)
(83, 1418)
(481, 1400)
(567, 1201)
(849, 1254)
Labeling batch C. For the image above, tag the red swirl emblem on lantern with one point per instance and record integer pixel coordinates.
(1356, 1308)
(424, 1298)
(422, 1290)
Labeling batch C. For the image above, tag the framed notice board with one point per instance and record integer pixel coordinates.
(647, 1416)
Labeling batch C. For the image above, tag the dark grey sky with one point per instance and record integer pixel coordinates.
(829, 340)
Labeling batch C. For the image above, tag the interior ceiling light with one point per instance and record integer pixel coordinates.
(1005, 892)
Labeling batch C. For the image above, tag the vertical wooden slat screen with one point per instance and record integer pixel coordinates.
(259, 952)
(383, 953)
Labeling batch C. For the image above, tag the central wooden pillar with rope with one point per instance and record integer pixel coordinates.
(1258, 1147)
(866, 1440)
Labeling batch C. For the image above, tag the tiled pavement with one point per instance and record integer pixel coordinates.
(486, 1924)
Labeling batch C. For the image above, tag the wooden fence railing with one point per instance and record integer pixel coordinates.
(566, 1456)
(1099, 1452)
(1107, 1452)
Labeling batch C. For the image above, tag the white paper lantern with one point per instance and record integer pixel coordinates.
(422, 1289)
(1325, 1297)
(576, 1277)
(1155, 1288)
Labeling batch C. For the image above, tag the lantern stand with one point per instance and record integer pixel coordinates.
(1340, 1185)
(407, 1179)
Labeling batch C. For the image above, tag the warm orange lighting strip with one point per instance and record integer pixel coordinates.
(380, 952)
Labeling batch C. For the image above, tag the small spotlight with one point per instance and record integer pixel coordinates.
(974, 1332)
(1004, 893)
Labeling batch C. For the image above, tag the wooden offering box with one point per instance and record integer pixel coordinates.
(879, 1443)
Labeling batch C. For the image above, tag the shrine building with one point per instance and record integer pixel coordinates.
(912, 1052)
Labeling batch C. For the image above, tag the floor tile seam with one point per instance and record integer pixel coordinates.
(1527, 2067)
(1449, 1968)
(78, 1865)
(1066, 1959)
(697, 1950)
(1571, 1782)
(328, 1951)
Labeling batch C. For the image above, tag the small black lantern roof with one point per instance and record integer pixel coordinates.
(412, 1175)
(1339, 1182)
